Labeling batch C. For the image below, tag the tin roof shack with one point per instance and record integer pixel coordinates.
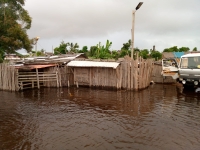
(46, 71)
(59, 59)
(95, 74)
(31, 76)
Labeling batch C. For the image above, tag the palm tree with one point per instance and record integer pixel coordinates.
(73, 47)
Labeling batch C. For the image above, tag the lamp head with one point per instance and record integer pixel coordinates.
(139, 5)
(37, 38)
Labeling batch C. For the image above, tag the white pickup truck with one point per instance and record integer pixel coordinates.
(187, 71)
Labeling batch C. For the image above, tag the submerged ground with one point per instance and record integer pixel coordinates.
(60, 119)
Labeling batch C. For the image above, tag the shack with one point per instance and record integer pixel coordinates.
(95, 74)
(125, 74)
(59, 71)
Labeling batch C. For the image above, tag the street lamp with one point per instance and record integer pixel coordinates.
(35, 42)
(132, 30)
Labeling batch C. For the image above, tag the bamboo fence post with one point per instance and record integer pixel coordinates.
(128, 75)
(90, 75)
(38, 82)
(57, 79)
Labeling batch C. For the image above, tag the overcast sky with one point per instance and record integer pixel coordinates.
(163, 23)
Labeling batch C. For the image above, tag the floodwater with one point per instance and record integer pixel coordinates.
(157, 118)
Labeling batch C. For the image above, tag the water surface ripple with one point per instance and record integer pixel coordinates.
(76, 119)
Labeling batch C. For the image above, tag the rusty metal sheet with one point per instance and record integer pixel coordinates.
(34, 66)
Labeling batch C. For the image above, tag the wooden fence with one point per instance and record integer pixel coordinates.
(135, 74)
(8, 78)
(32, 79)
(129, 75)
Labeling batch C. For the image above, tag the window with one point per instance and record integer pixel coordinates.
(190, 63)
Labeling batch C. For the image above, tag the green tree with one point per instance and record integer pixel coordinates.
(84, 49)
(144, 53)
(115, 54)
(171, 49)
(184, 49)
(73, 47)
(62, 49)
(156, 55)
(103, 52)
(126, 46)
(125, 50)
(92, 51)
(1, 55)
(194, 49)
(14, 22)
(41, 52)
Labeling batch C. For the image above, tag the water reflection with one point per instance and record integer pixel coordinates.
(159, 117)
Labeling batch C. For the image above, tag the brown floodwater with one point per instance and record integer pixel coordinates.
(157, 118)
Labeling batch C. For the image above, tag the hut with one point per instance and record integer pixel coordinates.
(95, 74)
(126, 74)
(59, 71)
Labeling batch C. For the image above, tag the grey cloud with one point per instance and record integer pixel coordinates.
(163, 22)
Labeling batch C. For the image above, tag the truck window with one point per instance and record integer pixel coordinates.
(190, 63)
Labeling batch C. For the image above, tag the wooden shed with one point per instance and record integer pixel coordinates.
(95, 74)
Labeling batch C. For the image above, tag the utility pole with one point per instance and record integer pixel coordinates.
(132, 30)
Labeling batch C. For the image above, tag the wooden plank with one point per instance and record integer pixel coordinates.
(38, 84)
(128, 75)
(90, 77)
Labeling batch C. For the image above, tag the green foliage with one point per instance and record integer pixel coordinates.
(184, 49)
(124, 52)
(136, 49)
(65, 47)
(41, 53)
(171, 49)
(92, 51)
(176, 49)
(126, 49)
(101, 51)
(62, 49)
(194, 49)
(14, 22)
(73, 47)
(144, 53)
(84, 49)
(156, 54)
(126, 46)
(2, 55)
(115, 54)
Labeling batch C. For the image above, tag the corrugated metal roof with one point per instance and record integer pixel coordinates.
(93, 64)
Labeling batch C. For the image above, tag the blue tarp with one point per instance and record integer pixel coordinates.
(178, 54)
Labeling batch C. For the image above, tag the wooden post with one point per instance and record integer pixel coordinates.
(57, 79)
(68, 83)
(21, 85)
(38, 83)
(32, 84)
(90, 76)
(77, 84)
